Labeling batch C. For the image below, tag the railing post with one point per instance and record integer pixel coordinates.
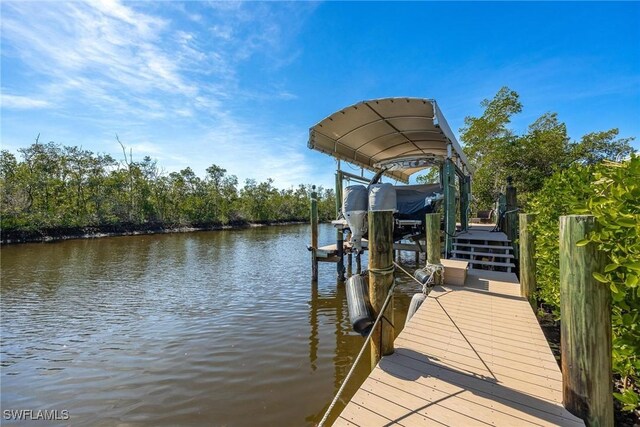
(314, 234)
(380, 281)
(585, 308)
(527, 260)
(434, 251)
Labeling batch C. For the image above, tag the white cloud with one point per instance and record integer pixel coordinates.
(22, 102)
(97, 51)
(100, 54)
(134, 68)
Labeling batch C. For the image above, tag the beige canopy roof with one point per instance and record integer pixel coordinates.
(404, 134)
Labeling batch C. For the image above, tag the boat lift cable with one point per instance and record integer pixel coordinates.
(368, 338)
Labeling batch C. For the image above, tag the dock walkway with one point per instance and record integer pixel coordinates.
(471, 355)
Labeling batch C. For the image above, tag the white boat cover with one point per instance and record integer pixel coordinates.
(372, 132)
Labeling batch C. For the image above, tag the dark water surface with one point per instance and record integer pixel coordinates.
(207, 328)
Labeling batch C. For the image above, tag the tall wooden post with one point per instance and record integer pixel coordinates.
(434, 250)
(527, 260)
(449, 205)
(339, 231)
(380, 281)
(511, 219)
(585, 308)
(314, 234)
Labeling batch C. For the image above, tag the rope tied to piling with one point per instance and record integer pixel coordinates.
(383, 271)
(432, 270)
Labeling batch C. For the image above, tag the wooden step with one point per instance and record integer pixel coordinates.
(487, 263)
(473, 245)
(480, 241)
(489, 254)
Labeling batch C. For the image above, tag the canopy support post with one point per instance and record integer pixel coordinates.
(464, 184)
(339, 230)
(449, 202)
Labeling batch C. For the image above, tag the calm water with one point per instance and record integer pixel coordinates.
(215, 328)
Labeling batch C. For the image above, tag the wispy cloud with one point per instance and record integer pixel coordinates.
(107, 50)
(138, 66)
(22, 102)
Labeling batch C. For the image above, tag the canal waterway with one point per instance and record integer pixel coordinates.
(205, 328)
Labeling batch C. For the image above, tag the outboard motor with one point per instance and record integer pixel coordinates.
(354, 209)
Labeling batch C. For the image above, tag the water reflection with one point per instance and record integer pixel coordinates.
(220, 328)
(332, 303)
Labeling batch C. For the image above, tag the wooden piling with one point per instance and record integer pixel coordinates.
(314, 234)
(585, 308)
(380, 281)
(527, 261)
(434, 251)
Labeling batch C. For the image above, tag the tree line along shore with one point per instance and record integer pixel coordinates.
(53, 191)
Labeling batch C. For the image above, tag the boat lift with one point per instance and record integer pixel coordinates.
(397, 137)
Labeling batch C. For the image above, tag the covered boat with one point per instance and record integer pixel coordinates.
(396, 138)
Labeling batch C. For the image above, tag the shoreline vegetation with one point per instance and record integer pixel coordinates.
(54, 192)
(50, 235)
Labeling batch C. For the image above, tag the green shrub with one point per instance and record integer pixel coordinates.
(561, 195)
(610, 192)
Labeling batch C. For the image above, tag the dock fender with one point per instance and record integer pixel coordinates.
(360, 310)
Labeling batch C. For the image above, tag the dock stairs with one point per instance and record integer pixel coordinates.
(484, 250)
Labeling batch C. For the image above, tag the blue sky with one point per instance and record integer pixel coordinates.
(239, 84)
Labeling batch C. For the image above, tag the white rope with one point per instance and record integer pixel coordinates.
(364, 347)
(432, 269)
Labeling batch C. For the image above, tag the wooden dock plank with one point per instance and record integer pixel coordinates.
(484, 414)
(443, 413)
(411, 247)
(468, 359)
(361, 415)
(497, 358)
(345, 422)
(471, 355)
(503, 352)
(441, 392)
(477, 234)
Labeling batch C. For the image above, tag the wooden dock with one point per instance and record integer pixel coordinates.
(471, 355)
